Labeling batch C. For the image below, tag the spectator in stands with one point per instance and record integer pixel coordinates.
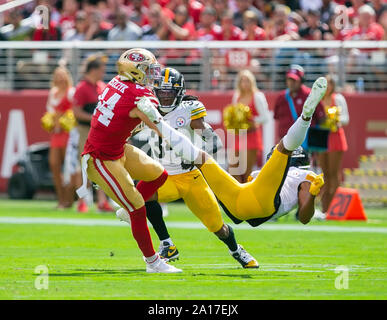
(247, 93)
(208, 29)
(68, 15)
(78, 33)
(242, 7)
(59, 101)
(194, 8)
(337, 28)
(153, 31)
(368, 28)
(18, 32)
(306, 5)
(138, 13)
(331, 160)
(181, 27)
(124, 30)
(221, 7)
(280, 26)
(314, 29)
(85, 101)
(380, 7)
(251, 30)
(293, 98)
(46, 30)
(228, 31)
(353, 10)
(98, 29)
(327, 10)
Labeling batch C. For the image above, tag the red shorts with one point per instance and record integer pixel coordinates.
(337, 141)
(253, 141)
(59, 140)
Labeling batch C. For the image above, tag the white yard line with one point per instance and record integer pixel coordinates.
(186, 225)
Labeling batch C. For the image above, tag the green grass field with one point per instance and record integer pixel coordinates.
(93, 256)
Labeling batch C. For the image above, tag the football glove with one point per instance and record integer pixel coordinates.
(145, 105)
(316, 185)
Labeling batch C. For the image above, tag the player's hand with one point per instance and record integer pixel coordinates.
(316, 185)
(145, 105)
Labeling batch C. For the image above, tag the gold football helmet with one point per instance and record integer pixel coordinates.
(138, 65)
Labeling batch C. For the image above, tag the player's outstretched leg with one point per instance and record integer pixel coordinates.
(297, 132)
(226, 234)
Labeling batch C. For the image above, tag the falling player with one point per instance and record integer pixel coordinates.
(111, 163)
(186, 114)
(260, 199)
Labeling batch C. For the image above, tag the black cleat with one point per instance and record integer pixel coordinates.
(168, 252)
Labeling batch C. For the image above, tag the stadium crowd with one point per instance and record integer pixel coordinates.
(197, 20)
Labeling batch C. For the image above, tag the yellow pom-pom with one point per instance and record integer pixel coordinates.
(67, 121)
(236, 117)
(47, 121)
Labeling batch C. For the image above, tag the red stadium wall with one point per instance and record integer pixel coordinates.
(20, 114)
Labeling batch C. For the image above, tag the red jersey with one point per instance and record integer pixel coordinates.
(259, 34)
(283, 114)
(111, 124)
(235, 34)
(204, 34)
(374, 32)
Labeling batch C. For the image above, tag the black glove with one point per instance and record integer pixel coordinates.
(186, 165)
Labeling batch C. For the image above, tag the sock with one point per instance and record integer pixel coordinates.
(181, 145)
(152, 258)
(230, 241)
(148, 188)
(168, 241)
(141, 232)
(296, 134)
(154, 214)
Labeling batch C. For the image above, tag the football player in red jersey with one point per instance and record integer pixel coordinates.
(111, 163)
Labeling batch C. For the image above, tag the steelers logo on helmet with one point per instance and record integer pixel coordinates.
(170, 89)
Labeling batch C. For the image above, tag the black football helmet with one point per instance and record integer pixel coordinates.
(299, 158)
(170, 89)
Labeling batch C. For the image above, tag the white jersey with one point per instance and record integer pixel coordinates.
(179, 119)
(289, 191)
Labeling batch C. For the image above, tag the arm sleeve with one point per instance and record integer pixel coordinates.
(262, 108)
(197, 110)
(342, 104)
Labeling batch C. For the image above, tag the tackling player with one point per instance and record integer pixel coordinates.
(186, 115)
(262, 198)
(111, 163)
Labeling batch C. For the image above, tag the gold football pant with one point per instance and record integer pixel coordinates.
(115, 177)
(197, 195)
(256, 199)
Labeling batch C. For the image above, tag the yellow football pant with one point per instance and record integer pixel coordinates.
(115, 177)
(250, 200)
(197, 195)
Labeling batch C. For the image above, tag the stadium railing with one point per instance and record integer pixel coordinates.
(212, 65)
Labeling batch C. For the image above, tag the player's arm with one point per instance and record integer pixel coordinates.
(305, 203)
(306, 194)
(212, 141)
(136, 113)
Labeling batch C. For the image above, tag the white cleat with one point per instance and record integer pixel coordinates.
(161, 266)
(316, 94)
(123, 215)
(319, 215)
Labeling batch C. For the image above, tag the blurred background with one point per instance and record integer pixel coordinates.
(209, 42)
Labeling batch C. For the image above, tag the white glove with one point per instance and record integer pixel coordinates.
(145, 105)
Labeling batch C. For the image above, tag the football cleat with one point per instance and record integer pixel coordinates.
(123, 215)
(316, 94)
(246, 260)
(104, 207)
(168, 252)
(161, 266)
(82, 206)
